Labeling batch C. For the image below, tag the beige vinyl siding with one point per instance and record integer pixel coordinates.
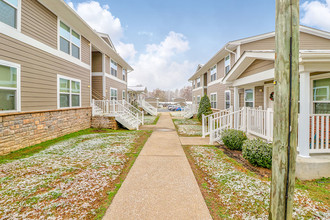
(220, 69)
(199, 92)
(265, 44)
(220, 90)
(39, 23)
(97, 85)
(107, 64)
(97, 62)
(119, 72)
(39, 72)
(110, 83)
(232, 59)
(85, 51)
(312, 42)
(241, 97)
(259, 96)
(257, 66)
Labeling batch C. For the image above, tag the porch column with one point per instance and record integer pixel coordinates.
(236, 107)
(304, 123)
(236, 99)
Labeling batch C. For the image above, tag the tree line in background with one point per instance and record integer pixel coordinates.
(169, 95)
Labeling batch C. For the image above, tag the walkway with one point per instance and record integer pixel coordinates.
(161, 184)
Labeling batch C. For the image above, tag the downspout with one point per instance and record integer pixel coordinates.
(230, 51)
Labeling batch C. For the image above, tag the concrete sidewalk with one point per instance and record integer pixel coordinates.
(161, 184)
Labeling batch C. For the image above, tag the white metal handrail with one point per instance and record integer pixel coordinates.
(132, 108)
(148, 106)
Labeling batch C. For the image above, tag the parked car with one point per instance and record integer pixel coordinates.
(169, 107)
(178, 109)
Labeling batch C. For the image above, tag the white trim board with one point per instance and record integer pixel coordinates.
(262, 76)
(199, 88)
(15, 34)
(109, 76)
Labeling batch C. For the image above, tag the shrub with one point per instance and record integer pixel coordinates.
(258, 152)
(233, 139)
(204, 107)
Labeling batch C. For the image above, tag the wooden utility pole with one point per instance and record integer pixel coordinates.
(285, 109)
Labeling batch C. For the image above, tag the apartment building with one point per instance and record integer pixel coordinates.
(51, 61)
(246, 68)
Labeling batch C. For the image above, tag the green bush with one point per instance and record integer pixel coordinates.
(233, 139)
(258, 152)
(204, 107)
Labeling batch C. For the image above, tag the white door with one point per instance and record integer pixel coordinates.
(269, 102)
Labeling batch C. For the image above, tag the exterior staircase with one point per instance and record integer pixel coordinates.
(147, 107)
(121, 110)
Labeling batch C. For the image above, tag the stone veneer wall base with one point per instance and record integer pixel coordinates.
(104, 122)
(22, 129)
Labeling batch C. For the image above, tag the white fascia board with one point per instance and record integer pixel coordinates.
(262, 76)
(15, 34)
(109, 76)
(199, 88)
(218, 81)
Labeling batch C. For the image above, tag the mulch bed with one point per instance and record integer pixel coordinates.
(237, 155)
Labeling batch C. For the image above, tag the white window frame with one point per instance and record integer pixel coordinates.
(18, 15)
(229, 98)
(123, 95)
(59, 38)
(198, 82)
(216, 97)
(116, 93)
(198, 98)
(227, 65)
(124, 74)
(214, 74)
(112, 61)
(59, 93)
(253, 101)
(18, 84)
(313, 78)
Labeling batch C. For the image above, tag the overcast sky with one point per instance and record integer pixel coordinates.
(165, 40)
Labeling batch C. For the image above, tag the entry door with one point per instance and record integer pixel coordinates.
(270, 103)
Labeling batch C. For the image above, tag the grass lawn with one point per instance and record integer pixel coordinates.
(151, 120)
(232, 191)
(188, 127)
(75, 176)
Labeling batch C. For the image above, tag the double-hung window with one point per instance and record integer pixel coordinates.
(9, 86)
(248, 97)
(9, 10)
(70, 41)
(321, 96)
(69, 92)
(124, 74)
(227, 64)
(213, 100)
(213, 73)
(124, 95)
(198, 80)
(227, 99)
(114, 68)
(198, 99)
(113, 94)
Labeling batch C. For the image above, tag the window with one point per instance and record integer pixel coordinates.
(69, 92)
(193, 84)
(227, 64)
(113, 94)
(198, 81)
(114, 67)
(198, 99)
(9, 12)
(213, 73)
(321, 96)
(9, 86)
(213, 100)
(248, 96)
(69, 41)
(124, 74)
(227, 99)
(124, 95)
